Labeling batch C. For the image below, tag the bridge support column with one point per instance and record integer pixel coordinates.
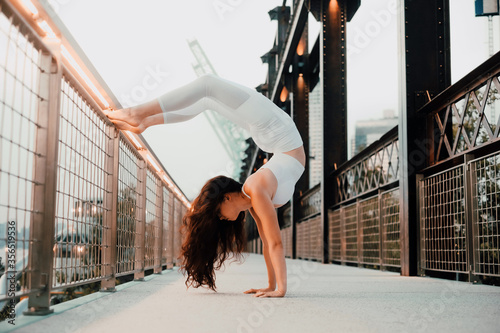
(300, 114)
(424, 72)
(333, 71)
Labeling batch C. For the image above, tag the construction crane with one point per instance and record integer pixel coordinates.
(231, 136)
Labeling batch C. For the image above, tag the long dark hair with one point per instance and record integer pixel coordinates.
(208, 240)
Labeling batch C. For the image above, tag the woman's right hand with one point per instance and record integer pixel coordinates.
(253, 291)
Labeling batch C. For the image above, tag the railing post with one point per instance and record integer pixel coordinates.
(342, 236)
(359, 232)
(171, 223)
(381, 233)
(159, 224)
(42, 226)
(421, 235)
(110, 209)
(141, 220)
(470, 223)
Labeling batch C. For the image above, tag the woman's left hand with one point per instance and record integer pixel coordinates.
(276, 293)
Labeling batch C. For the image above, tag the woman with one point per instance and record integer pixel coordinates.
(214, 224)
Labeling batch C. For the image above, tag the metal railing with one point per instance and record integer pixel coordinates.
(466, 116)
(459, 218)
(308, 234)
(460, 188)
(364, 221)
(375, 167)
(80, 202)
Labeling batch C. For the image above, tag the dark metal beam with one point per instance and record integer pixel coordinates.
(333, 65)
(424, 67)
(300, 114)
(295, 32)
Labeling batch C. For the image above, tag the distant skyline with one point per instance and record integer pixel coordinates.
(141, 52)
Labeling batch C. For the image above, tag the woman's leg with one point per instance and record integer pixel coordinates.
(186, 102)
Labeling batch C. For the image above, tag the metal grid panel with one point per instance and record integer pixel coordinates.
(351, 232)
(177, 231)
(19, 97)
(315, 238)
(152, 218)
(390, 229)
(166, 257)
(128, 202)
(309, 239)
(286, 238)
(442, 223)
(80, 191)
(370, 228)
(486, 212)
(335, 235)
(302, 245)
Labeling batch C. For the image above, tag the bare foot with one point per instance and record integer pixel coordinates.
(123, 115)
(124, 126)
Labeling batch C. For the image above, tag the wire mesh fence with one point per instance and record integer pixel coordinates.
(59, 156)
(128, 207)
(366, 232)
(153, 207)
(335, 235)
(443, 224)
(350, 224)
(370, 230)
(80, 190)
(166, 253)
(20, 94)
(485, 175)
(391, 248)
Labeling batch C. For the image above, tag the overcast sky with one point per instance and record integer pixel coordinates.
(127, 40)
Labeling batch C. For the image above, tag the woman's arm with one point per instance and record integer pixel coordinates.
(270, 270)
(264, 209)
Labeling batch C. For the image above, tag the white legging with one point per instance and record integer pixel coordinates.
(270, 127)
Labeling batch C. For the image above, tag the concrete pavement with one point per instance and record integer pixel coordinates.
(321, 298)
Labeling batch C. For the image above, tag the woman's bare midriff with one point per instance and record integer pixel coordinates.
(299, 154)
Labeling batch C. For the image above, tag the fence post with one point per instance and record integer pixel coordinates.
(159, 223)
(470, 223)
(359, 232)
(342, 236)
(171, 227)
(173, 224)
(111, 210)
(421, 235)
(140, 222)
(42, 225)
(381, 231)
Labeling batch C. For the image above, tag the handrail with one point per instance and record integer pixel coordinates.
(310, 204)
(464, 116)
(475, 78)
(368, 151)
(375, 167)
